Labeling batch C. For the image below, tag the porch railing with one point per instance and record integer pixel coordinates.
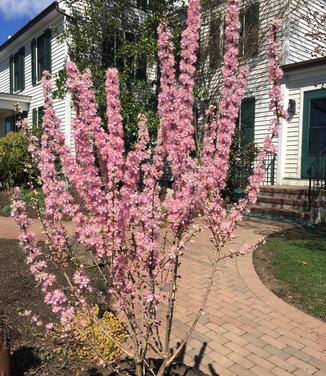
(317, 177)
(241, 168)
(270, 170)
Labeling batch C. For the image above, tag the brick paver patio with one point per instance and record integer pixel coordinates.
(245, 329)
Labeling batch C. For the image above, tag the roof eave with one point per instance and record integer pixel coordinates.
(53, 6)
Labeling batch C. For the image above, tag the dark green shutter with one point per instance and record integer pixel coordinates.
(22, 69)
(215, 46)
(40, 114)
(241, 32)
(11, 73)
(47, 50)
(34, 117)
(40, 56)
(19, 70)
(251, 37)
(33, 52)
(16, 72)
(247, 121)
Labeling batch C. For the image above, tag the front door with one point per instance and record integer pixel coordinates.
(314, 135)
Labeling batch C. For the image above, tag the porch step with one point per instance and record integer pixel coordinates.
(285, 192)
(280, 202)
(299, 215)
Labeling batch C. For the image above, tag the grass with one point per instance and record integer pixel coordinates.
(298, 258)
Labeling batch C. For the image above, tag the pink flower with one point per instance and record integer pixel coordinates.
(149, 297)
(49, 327)
(245, 249)
(82, 281)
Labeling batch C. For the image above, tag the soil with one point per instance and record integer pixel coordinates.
(31, 351)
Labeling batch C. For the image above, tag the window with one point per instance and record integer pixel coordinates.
(37, 117)
(215, 42)
(247, 121)
(110, 48)
(41, 55)
(249, 32)
(17, 71)
(111, 56)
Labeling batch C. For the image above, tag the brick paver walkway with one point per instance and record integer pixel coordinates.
(245, 329)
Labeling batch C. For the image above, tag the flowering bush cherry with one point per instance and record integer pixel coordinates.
(115, 200)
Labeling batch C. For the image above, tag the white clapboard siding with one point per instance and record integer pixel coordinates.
(301, 46)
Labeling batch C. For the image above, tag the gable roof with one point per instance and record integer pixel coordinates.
(35, 20)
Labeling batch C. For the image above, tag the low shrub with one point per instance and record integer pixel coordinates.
(241, 165)
(14, 160)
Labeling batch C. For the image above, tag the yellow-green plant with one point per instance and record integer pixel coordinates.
(96, 340)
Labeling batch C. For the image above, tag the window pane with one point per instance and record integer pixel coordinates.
(317, 140)
(9, 124)
(318, 113)
(317, 126)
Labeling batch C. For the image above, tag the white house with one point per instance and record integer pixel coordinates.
(34, 48)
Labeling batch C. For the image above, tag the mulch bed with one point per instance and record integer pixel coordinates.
(31, 352)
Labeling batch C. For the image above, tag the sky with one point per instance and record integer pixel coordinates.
(14, 14)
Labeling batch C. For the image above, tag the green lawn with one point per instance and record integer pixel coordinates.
(298, 258)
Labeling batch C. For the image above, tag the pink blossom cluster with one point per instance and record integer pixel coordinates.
(219, 132)
(176, 111)
(53, 294)
(275, 75)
